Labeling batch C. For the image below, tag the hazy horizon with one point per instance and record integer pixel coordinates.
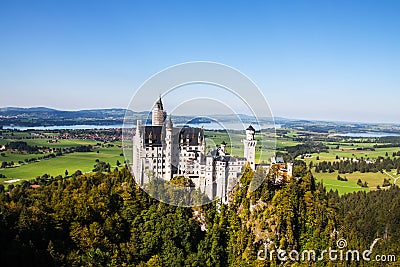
(205, 115)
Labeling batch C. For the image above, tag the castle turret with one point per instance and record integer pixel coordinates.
(223, 147)
(250, 131)
(169, 123)
(138, 127)
(158, 115)
(168, 149)
(203, 142)
(250, 146)
(199, 138)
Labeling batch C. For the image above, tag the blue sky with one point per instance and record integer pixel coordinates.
(332, 60)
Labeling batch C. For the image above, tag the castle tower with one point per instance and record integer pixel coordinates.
(203, 142)
(158, 115)
(168, 150)
(250, 146)
(137, 153)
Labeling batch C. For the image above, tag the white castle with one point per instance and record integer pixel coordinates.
(164, 151)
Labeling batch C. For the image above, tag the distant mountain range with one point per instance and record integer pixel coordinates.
(42, 116)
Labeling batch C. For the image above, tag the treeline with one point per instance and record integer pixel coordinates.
(307, 147)
(104, 135)
(22, 147)
(369, 216)
(387, 145)
(95, 220)
(389, 139)
(349, 166)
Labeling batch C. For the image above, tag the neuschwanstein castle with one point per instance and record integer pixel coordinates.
(164, 151)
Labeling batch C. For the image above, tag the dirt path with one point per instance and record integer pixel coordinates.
(391, 176)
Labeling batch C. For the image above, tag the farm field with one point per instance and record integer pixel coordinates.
(341, 186)
(330, 181)
(83, 161)
(351, 148)
(71, 162)
(347, 153)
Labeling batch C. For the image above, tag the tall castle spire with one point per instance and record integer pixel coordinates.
(158, 115)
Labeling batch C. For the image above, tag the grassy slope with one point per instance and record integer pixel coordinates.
(373, 179)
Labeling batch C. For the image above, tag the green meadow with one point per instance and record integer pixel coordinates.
(373, 179)
(83, 161)
(72, 162)
(347, 151)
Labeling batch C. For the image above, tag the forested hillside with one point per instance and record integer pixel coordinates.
(107, 220)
